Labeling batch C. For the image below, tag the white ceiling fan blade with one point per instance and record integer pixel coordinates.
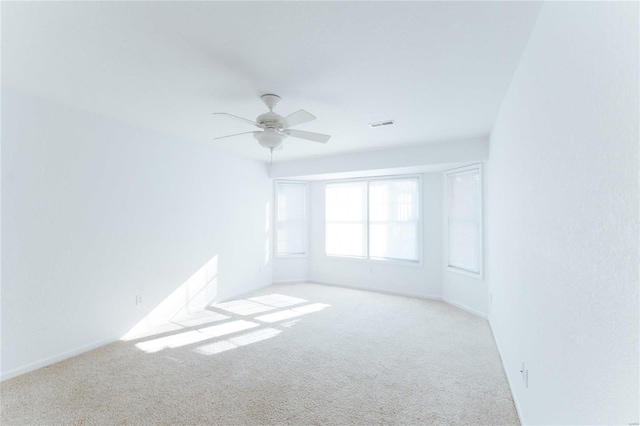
(236, 134)
(235, 117)
(296, 118)
(316, 137)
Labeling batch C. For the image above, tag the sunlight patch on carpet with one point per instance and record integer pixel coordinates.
(278, 300)
(194, 336)
(235, 342)
(243, 307)
(292, 313)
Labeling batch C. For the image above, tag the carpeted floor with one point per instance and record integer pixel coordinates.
(287, 354)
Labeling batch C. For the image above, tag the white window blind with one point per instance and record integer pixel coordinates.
(290, 218)
(394, 214)
(464, 219)
(375, 219)
(346, 219)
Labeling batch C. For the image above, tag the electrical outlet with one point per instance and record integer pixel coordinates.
(138, 299)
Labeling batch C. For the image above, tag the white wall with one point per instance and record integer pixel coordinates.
(290, 270)
(370, 163)
(563, 217)
(96, 212)
(422, 281)
(465, 292)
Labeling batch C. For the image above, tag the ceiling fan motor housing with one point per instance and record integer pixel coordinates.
(269, 119)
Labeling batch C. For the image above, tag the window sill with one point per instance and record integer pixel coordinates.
(290, 256)
(409, 263)
(478, 276)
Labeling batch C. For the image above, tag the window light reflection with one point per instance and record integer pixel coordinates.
(292, 313)
(277, 300)
(234, 342)
(194, 336)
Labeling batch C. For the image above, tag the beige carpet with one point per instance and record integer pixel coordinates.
(287, 354)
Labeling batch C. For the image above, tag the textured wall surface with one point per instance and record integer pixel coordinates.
(563, 218)
(96, 211)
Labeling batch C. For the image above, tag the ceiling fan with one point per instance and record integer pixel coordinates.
(276, 128)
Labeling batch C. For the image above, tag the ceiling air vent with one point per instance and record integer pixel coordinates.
(382, 123)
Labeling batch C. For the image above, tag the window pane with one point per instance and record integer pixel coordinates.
(394, 215)
(290, 218)
(345, 219)
(464, 219)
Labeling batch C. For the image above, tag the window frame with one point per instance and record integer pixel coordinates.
(367, 259)
(305, 220)
(459, 170)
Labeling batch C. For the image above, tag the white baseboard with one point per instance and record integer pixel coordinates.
(392, 292)
(465, 308)
(306, 280)
(504, 366)
(54, 359)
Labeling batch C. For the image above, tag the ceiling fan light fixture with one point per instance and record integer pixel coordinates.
(269, 138)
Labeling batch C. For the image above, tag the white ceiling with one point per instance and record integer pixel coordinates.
(440, 69)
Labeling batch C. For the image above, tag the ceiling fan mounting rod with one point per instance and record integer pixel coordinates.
(270, 100)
